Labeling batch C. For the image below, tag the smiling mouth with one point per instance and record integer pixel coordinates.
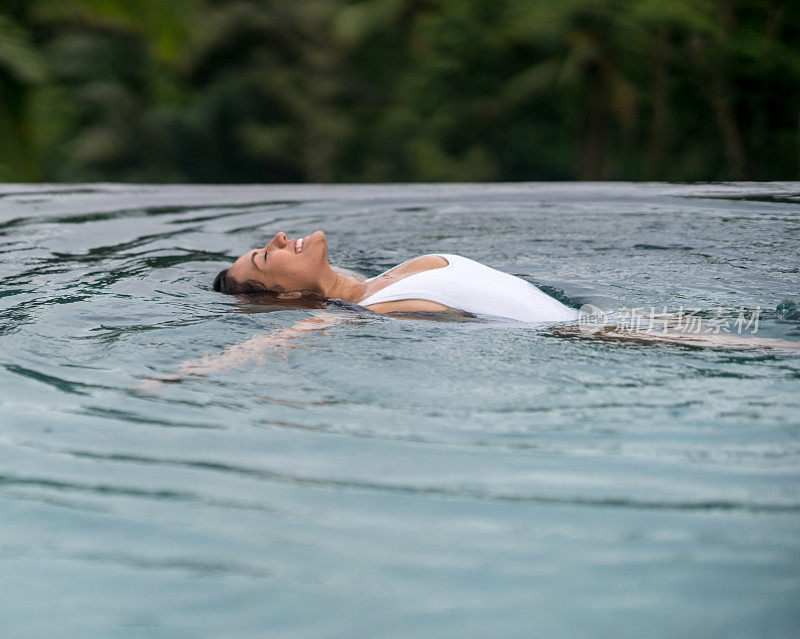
(298, 245)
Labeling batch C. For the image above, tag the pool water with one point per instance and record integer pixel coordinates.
(392, 477)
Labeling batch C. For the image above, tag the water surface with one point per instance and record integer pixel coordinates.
(392, 477)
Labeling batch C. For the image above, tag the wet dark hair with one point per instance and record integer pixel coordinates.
(224, 283)
(257, 292)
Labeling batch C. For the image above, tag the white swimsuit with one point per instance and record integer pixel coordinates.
(470, 286)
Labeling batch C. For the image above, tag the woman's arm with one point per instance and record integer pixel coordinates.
(253, 349)
(257, 346)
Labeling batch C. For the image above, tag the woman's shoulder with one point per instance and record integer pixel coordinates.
(430, 261)
(425, 263)
(415, 265)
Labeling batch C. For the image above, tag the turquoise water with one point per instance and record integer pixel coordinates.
(396, 477)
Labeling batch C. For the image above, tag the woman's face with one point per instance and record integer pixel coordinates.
(285, 264)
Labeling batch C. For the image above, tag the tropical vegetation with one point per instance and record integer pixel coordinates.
(399, 90)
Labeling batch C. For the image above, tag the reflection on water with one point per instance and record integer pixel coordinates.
(397, 476)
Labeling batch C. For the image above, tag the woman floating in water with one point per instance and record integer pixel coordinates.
(436, 285)
(293, 268)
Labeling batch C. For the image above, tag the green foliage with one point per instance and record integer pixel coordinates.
(21, 68)
(399, 90)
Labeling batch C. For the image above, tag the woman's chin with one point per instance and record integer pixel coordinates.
(315, 238)
(321, 243)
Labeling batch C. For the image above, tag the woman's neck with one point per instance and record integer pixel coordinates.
(344, 287)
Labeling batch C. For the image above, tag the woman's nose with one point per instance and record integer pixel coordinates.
(280, 239)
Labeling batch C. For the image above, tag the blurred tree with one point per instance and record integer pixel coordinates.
(399, 90)
(21, 71)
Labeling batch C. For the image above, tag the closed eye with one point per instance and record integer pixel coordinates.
(253, 258)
